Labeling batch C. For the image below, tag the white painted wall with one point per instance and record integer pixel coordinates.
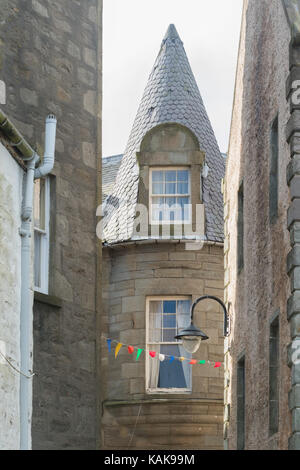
(11, 176)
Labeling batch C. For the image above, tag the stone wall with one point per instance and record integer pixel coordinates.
(133, 272)
(262, 287)
(11, 177)
(50, 61)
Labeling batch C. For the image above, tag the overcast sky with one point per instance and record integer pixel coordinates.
(133, 31)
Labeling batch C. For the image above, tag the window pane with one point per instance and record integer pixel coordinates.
(183, 202)
(155, 214)
(158, 188)
(182, 188)
(157, 176)
(172, 375)
(170, 188)
(183, 314)
(183, 306)
(158, 208)
(169, 321)
(170, 176)
(183, 175)
(169, 335)
(155, 319)
(170, 209)
(39, 204)
(170, 201)
(37, 259)
(169, 306)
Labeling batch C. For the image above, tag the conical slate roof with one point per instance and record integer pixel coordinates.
(171, 96)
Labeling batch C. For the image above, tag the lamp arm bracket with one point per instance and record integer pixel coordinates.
(211, 297)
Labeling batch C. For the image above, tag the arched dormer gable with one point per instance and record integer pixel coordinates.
(170, 167)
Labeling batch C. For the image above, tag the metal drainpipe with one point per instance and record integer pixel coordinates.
(26, 330)
(26, 310)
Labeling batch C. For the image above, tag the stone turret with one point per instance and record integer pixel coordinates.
(149, 281)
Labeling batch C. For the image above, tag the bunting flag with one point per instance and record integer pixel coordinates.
(118, 347)
(154, 354)
(193, 362)
(139, 353)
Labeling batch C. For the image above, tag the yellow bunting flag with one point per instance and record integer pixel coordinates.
(182, 359)
(118, 347)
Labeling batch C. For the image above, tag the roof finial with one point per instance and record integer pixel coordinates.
(171, 33)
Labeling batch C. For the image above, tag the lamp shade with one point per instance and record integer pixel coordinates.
(191, 338)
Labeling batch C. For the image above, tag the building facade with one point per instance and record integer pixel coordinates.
(261, 219)
(11, 182)
(163, 248)
(50, 62)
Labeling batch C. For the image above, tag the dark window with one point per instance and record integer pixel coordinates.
(273, 183)
(241, 404)
(240, 229)
(273, 377)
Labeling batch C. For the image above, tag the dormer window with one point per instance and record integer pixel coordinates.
(170, 195)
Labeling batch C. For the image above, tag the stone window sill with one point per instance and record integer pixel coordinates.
(47, 299)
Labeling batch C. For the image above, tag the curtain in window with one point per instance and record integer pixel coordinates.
(187, 369)
(183, 319)
(155, 320)
(154, 367)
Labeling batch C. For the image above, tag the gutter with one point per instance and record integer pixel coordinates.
(15, 138)
(31, 159)
(157, 241)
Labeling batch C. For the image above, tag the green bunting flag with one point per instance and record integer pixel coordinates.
(139, 353)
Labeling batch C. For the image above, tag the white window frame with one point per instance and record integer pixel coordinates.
(45, 245)
(148, 343)
(151, 195)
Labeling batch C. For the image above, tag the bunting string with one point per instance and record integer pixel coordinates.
(154, 354)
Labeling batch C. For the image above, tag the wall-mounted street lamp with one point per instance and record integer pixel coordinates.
(192, 336)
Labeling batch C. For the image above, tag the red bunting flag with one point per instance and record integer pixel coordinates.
(193, 362)
(152, 353)
(130, 349)
(217, 364)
